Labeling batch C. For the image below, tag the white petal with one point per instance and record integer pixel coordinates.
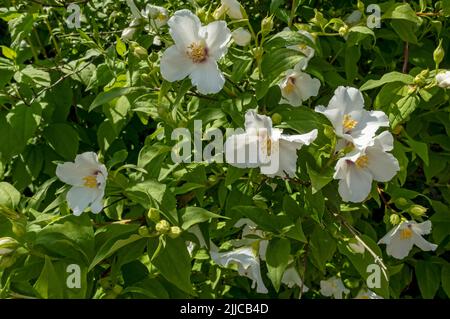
(233, 9)
(443, 80)
(356, 185)
(71, 174)
(241, 150)
(368, 125)
(88, 160)
(79, 198)
(241, 37)
(97, 205)
(382, 165)
(184, 29)
(347, 99)
(255, 121)
(334, 115)
(422, 228)
(420, 242)
(175, 65)
(387, 238)
(207, 77)
(217, 35)
(399, 248)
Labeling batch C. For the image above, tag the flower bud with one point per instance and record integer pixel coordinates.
(7, 245)
(143, 231)
(163, 227)
(276, 118)
(421, 78)
(117, 290)
(318, 19)
(394, 219)
(175, 232)
(267, 25)
(241, 37)
(401, 202)
(343, 31)
(397, 130)
(154, 215)
(140, 52)
(439, 54)
(258, 53)
(417, 210)
(360, 6)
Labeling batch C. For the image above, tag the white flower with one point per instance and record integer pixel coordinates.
(349, 118)
(333, 287)
(249, 232)
(367, 294)
(298, 86)
(231, 7)
(247, 261)
(360, 167)
(443, 80)
(291, 278)
(158, 15)
(196, 51)
(306, 50)
(241, 37)
(401, 239)
(265, 147)
(88, 179)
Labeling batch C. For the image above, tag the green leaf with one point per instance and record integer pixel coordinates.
(406, 30)
(49, 284)
(9, 196)
(399, 112)
(420, 149)
(63, 138)
(318, 181)
(388, 78)
(108, 96)
(445, 278)
(402, 12)
(322, 247)
(121, 47)
(194, 215)
(174, 263)
(428, 277)
(277, 258)
(8, 53)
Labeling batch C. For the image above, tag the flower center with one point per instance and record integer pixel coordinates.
(290, 85)
(349, 123)
(302, 46)
(362, 161)
(406, 233)
(197, 52)
(160, 16)
(90, 181)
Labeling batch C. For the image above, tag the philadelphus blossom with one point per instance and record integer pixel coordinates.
(241, 37)
(196, 52)
(367, 294)
(249, 232)
(158, 17)
(298, 86)
(401, 239)
(303, 48)
(231, 7)
(443, 80)
(357, 169)
(87, 176)
(265, 147)
(247, 262)
(349, 118)
(291, 278)
(333, 287)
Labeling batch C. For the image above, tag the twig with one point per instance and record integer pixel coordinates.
(405, 57)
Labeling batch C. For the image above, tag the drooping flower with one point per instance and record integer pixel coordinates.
(157, 16)
(251, 236)
(196, 52)
(443, 80)
(87, 176)
(349, 118)
(303, 48)
(333, 287)
(401, 239)
(357, 169)
(265, 147)
(298, 86)
(291, 278)
(241, 37)
(230, 7)
(247, 262)
(367, 294)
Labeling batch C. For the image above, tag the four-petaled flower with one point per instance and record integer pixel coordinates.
(401, 239)
(87, 176)
(196, 52)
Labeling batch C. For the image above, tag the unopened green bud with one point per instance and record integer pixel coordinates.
(163, 227)
(258, 53)
(360, 6)
(154, 215)
(421, 78)
(318, 19)
(140, 52)
(343, 31)
(439, 54)
(143, 231)
(267, 25)
(7, 245)
(417, 210)
(401, 202)
(394, 219)
(276, 118)
(117, 289)
(175, 232)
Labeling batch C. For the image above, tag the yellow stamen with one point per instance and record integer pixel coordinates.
(406, 233)
(197, 52)
(349, 123)
(302, 46)
(290, 85)
(362, 161)
(161, 16)
(269, 146)
(90, 181)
